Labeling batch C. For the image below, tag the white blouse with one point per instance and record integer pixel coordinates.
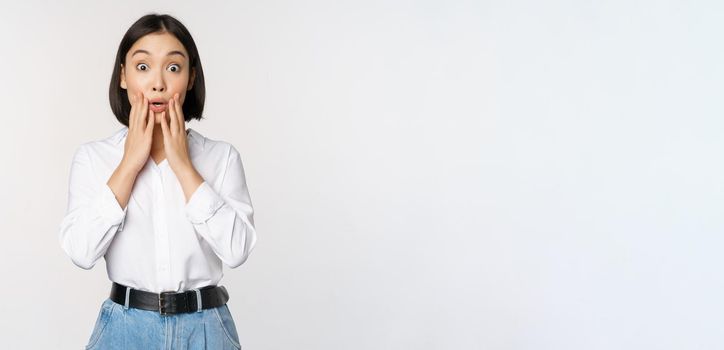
(159, 242)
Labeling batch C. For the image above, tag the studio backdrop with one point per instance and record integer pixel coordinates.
(520, 175)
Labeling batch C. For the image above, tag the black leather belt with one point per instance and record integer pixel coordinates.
(167, 303)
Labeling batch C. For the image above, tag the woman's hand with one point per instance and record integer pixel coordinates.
(177, 151)
(174, 138)
(140, 134)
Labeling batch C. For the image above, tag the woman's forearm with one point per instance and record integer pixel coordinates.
(121, 183)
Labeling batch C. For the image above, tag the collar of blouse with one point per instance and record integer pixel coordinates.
(193, 135)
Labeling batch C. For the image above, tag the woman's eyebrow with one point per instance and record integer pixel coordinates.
(175, 52)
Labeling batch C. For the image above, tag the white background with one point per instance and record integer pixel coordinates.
(425, 174)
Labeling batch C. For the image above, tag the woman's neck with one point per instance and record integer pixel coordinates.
(157, 143)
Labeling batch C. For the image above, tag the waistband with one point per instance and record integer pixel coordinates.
(167, 303)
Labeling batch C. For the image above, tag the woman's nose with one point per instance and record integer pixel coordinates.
(158, 83)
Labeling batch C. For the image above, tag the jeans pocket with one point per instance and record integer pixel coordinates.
(227, 324)
(104, 315)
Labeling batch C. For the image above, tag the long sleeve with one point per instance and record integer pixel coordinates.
(93, 216)
(225, 220)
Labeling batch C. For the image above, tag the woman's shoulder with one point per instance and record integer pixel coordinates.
(112, 143)
(103, 144)
(213, 145)
(212, 153)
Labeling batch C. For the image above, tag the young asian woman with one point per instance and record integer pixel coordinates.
(164, 205)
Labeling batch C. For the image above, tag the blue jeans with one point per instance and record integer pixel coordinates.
(129, 329)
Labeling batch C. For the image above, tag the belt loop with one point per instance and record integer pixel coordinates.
(198, 299)
(128, 295)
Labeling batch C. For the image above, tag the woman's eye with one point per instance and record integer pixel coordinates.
(140, 65)
(175, 66)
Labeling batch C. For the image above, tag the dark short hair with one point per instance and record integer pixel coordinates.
(156, 23)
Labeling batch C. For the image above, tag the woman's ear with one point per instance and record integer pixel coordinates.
(192, 78)
(123, 78)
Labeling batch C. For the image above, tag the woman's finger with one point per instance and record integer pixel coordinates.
(172, 113)
(137, 117)
(131, 119)
(164, 129)
(133, 111)
(143, 111)
(180, 115)
(149, 123)
(142, 103)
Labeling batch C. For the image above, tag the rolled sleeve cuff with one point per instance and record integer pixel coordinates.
(203, 204)
(110, 208)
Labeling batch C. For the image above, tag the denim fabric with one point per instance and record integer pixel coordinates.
(119, 328)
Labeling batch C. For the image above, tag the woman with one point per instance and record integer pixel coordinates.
(164, 205)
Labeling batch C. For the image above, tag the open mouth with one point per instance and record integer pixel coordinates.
(157, 106)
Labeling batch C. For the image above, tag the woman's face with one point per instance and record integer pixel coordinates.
(157, 65)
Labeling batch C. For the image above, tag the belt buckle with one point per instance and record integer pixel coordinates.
(161, 300)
